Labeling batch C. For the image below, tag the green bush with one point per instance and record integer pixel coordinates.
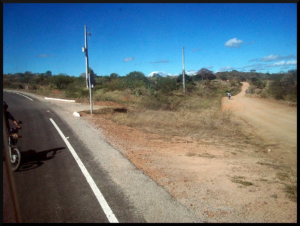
(223, 77)
(165, 84)
(259, 83)
(197, 77)
(61, 81)
(114, 84)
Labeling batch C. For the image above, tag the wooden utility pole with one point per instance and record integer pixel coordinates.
(88, 76)
(183, 77)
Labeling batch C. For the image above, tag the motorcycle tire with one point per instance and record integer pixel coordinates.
(15, 158)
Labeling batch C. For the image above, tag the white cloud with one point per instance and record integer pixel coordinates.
(279, 63)
(128, 59)
(283, 63)
(159, 72)
(260, 67)
(190, 72)
(225, 69)
(270, 58)
(292, 62)
(276, 57)
(233, 43)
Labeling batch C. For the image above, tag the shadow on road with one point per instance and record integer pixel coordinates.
(32, 159)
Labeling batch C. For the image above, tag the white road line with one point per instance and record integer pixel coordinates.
(48, 98)
(25, 96)
(107, 210)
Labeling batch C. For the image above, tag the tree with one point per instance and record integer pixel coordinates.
(242, 78)
(223, 77)
(91, 71)
(28, 73)
(137, 75)
(206, 74)
(114, 75)
(61, 81)
(48, 73)
(293, 73)
(287, 81)
(134, 80)
(186, 78)
(197, 77)
(156, 75)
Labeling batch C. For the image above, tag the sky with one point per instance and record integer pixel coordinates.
(149, 38)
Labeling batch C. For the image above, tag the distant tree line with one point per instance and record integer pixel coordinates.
(132, 80)
(281, 85)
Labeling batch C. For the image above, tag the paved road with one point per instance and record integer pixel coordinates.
(71, 176)
(50, 185)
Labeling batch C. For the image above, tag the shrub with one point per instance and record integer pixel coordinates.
(61, 81)
(165, 84)
(223, 77)
(197, 77)
(259, 83)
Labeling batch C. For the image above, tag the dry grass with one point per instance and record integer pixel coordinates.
(196, 114)
(241, 180)
(182, 122)
(291, 191)
(193, 116)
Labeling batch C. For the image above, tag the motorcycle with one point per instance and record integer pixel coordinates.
(14, 150)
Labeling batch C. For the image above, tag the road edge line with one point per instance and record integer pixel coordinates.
(107, 210)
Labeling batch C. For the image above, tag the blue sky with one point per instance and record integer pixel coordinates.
(149, 37)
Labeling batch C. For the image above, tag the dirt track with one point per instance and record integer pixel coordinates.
(233, 181)
(273, 122)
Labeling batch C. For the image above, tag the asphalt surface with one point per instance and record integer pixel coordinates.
(51, 185)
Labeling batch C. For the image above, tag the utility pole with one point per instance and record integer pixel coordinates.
(87, 76)
(183, 77)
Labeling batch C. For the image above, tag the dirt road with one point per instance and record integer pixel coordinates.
(275, 123)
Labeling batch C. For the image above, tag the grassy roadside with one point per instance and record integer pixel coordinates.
(197, 114)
